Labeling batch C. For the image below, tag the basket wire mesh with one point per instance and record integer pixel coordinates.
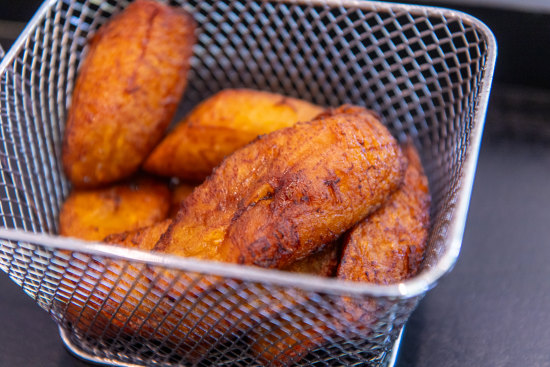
(426, 71)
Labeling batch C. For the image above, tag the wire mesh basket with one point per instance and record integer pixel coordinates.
(426, 71)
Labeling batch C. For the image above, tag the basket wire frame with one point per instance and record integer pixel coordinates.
(426, 71)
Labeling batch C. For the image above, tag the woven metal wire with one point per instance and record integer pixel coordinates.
(427, 72)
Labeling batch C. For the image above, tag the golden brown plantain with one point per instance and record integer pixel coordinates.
(100, 297)
(325, 153)
(280, 198)
(190, 335)
(115, 300)
(126, 92)
(220, 125)
(323, 263)
(339, 168)
(139, 302)
(384, 248)
(389, 245)
(289, 339)
(95, 213)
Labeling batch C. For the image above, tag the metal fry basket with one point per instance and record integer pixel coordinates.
(426, 71)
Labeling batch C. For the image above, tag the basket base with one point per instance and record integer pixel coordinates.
(79, 353)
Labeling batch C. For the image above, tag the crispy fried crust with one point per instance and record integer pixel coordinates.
(321, 177)
(189, 330)
(138, 302)
(280, 198)
(93, 214)
(389, 245)
(384, 248)
(127, 91)
(220, 125)
(353, 141)
(143, 238)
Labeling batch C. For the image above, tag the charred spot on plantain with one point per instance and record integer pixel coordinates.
(258, 251)
(332, 181)
(267, 196)
(265, 192)
(332, 184)
(113, 237)
(290, 188)
(166, 237)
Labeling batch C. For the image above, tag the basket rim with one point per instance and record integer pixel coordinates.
(360, 4)
(412, 287)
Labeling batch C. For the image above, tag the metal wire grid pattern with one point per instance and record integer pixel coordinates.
(422, 70)
(132, 313)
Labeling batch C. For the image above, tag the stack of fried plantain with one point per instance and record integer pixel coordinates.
(263, 180)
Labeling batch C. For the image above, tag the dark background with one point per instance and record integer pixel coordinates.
(493, 308)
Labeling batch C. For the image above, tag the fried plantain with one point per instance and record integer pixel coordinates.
(384, 248)
(179, 309)
(280, 198)
(389, 245)
(341, 142)
(95, 213)
(101, 297)
(321, 177)
(126, 92)
(117, 300)
(220, 125)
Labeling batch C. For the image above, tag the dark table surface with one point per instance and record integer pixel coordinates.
(491, 310)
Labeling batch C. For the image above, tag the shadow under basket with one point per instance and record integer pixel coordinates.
(426, 71)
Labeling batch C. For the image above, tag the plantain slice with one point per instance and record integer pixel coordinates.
(389, 245)
(95, 213)
(285, 195)
(220, 125)
(126, 92)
